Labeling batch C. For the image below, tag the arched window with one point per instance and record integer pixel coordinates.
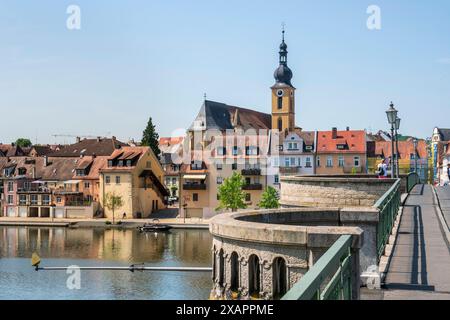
(214, 272)
(280, 103)
(254, 285)
(234, 272)
(221, 268)
(280, 124)
(279, 279)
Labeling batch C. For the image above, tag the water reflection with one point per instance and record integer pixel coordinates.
(87, 247)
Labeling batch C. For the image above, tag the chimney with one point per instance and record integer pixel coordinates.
(94, 156)
(13, 144)
(334, 133)
(348, 128)
(98, 139)
(78, 139)
(114, 138)
(45, 161)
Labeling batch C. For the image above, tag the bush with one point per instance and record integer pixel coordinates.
(108, 222)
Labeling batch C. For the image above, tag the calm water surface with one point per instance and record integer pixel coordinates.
(96, 247)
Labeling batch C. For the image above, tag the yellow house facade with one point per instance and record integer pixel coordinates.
(134, 174)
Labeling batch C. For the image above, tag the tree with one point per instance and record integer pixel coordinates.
(269, 199)
(231, 195)
(23, 143)
(173, 190)
(112, 202)
(150, 138)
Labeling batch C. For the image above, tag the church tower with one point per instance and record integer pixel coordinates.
(283, 94)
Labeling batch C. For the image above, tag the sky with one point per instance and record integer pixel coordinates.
(132, 60)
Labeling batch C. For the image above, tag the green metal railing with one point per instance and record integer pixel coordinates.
(336, 267)
(388, 206)
(412, 180)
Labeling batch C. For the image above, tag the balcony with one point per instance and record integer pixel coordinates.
(194, 186)
(251, 172)
(289, 170)
(85, 203)
(252, 186)
(44, 190)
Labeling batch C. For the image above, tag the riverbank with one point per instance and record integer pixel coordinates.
(177, 223)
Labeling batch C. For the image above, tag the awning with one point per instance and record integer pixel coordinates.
(38, 182)
(195, 176)
(72, 181)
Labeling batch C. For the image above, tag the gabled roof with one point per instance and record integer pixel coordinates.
(11, 150)
(220, 116)
(42, 150)
(355, 140)
(90, 147)
(445, 134)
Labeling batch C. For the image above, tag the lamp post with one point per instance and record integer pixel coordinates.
(397, 157)
(415, 142)
(392, 116)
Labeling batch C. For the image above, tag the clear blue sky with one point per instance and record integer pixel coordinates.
(135, 59)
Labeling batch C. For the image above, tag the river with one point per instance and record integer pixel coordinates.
(100, 247)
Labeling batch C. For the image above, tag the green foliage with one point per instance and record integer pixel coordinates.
(269, 199)
(112, 202)
(150, 138)
(231, 195)
(23, 143)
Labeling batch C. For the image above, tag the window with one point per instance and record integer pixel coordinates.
(356, 161)
(34, 199)
(248, 197)
(219, 166)
(10, 186)
(280, 103)
(27, 185)
(280, 124)
(120, 164)
(117, 179)
(293, 146)
(248, 181)
(87, 185)
(299, 162)
(148, 164)
(108, 179)
(412, 156)
(10, 199)
(251, 151)
(195, 197)
(292, 162)
(58, 199)
(276, 162)
(128, 164)
(318, 161)
(235, 151)
(221, 151)
(45, 199)
(276, 179)
(308, 162)
(218, 197)
(219, 180)
(341, 161)
(234, 166)
(287, 163)
(22, 199)
(329, 161)
(110, 163)
(174, 180)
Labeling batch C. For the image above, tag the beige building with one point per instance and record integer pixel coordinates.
(135, 174)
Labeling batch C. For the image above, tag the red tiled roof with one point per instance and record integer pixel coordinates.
(406, 148)
(355, 140)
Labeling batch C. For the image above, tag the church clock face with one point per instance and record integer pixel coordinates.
(280, 93)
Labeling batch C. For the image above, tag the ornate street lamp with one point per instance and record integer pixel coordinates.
(392, 117)
(397, 157)
(415, 142)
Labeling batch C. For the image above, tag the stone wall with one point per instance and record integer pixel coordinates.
(299, 247)
(332, 191)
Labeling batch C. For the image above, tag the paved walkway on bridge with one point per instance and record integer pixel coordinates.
(420, 265)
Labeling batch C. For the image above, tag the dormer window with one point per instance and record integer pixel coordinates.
(22, 171)
(129, 163)
(80, 172)
(120, 164)
(340, 146)
(110, 163)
